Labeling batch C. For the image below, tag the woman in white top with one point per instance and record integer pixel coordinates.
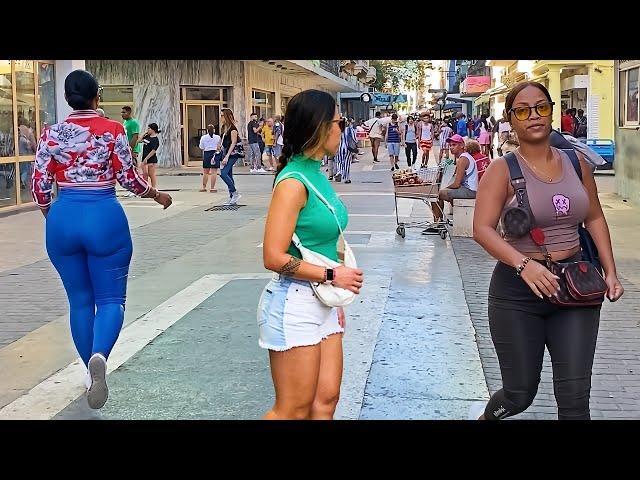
(209, 144)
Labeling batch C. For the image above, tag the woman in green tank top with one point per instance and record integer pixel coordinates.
(303, 336)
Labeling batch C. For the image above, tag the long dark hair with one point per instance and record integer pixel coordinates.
(80, 87)
(309, 115)
(229, 120)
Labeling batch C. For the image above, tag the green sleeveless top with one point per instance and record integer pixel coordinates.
(316, 226)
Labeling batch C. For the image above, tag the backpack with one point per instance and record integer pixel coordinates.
(581, 127)
(570, 145)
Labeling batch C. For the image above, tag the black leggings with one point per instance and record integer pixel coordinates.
(521, 325)
(411, 147)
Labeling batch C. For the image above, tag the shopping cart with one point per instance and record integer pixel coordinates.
(424, 185)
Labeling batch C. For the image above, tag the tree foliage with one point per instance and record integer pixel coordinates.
(391, 75)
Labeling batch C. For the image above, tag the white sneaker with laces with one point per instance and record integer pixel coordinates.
(252, 170)
(234, 198)
(98, 391)
(476, 410)
(262, 170)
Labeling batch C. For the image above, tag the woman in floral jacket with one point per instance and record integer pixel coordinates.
(87, 233)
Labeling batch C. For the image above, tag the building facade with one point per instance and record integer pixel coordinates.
(27, 105)
(181, 96)
(627, 130)
(580, 84)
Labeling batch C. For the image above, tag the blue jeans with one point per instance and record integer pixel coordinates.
(227, 174)
(89, 244)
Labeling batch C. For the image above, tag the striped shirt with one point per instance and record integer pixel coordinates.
(445, 132)
(393, 133)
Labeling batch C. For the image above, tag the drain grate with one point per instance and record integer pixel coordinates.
(218, 208)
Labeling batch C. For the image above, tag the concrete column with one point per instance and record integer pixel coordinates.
(553, 78)
(64, 68)
(600, 100)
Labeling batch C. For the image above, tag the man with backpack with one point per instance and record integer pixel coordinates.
(581, 125)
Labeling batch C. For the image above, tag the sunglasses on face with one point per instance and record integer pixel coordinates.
(542, 109)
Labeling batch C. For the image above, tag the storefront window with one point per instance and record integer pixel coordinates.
(632, 96)
(262, 103)
(7, 184)
(26, 107)
(203, 93)
(47, 94)
(284, 101)
(113, 98)
(6, 114)
(25, 181)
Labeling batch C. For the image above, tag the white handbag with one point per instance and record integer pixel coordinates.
(328, 294)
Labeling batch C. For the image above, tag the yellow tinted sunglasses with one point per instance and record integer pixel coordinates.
(542, 109)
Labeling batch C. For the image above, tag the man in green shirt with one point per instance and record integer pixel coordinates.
(132, 127)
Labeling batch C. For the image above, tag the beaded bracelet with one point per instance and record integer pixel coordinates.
(520, 268)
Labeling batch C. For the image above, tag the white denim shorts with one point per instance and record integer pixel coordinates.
(290, 315)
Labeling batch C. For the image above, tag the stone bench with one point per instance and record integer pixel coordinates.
(463, 217)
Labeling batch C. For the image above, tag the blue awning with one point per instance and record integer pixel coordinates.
(448, 106)
(380, 99)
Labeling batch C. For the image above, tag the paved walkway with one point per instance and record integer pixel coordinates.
(189, 349)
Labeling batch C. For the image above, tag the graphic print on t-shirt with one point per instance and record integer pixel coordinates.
(562, 205)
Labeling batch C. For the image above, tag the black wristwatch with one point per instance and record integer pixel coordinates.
(330, 276)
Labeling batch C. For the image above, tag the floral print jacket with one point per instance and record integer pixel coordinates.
(84, 151)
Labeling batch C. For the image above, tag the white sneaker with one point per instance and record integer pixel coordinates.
(98, 391)
(130, 194)
(228, 202)
(252, 170)
(476, 410)
(234, 198)
(262, 170)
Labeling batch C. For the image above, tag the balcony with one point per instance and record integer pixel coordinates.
(347, 65)
(371, 75)
(331, 66)
(475, 85)
(360, 68)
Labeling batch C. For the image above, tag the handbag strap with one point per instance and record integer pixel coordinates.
(310, 186)
(520, 187)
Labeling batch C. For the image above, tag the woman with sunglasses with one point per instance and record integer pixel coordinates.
(304, 336)
(522, 319)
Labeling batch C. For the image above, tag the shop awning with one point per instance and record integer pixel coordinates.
(497, 90)
(448, 106)
(539, 77)
(484, 98)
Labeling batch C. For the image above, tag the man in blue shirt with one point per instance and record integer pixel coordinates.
(461, 125)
